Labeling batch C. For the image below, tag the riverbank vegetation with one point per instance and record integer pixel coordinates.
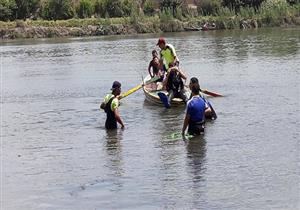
(48, 18)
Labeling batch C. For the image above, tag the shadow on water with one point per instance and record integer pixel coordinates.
(195, 167)
(196, 153)
(113, 136)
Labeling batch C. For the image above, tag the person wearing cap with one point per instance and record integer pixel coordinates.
(110, 105)
(167, 54)
(195, 113)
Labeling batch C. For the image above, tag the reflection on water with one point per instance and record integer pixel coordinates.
(114, 151)
(114, 160)
(57, 154)
(196, 153)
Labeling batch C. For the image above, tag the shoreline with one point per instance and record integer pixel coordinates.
(126, 26)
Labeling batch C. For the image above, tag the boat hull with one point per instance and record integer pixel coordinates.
(151, 94)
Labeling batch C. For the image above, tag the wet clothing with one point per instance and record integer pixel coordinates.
(196, 128)
(111, 103)
(168, 55)
(175, 87)
(212, 115)
(196, 110)
(174, 82)
(174, 94)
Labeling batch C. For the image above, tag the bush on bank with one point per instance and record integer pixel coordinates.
(68, 9)
(132, 20)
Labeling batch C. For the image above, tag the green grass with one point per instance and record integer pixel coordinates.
(272, 13)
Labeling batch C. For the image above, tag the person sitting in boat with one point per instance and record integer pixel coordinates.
(155, 66)
(110, 105)
(174, 84)
(210, 114)
(195, 113)
(168, 54)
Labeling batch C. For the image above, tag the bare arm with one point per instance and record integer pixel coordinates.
(207, 109)
(118, 118)
(183, 76)
(185, 123)
(149, 69)
(119, 97)
(176, 60)
(165, 82)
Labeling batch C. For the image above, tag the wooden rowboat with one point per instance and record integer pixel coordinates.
(150, 91)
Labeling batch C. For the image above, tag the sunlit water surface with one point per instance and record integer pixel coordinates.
(56, 154)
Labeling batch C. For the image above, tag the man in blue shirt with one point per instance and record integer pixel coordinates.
(208, 115)
(195, 113)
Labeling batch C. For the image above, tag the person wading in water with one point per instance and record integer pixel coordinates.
(111, 105)
(209, 114)
(195, 113)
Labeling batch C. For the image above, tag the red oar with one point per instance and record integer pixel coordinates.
(211, 93)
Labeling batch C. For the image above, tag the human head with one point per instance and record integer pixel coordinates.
(194, 81)
(195, 89)
(171, 65)
(154, 53)
(116, 88)
(161, 42)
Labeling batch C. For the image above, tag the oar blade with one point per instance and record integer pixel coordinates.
(214, 94)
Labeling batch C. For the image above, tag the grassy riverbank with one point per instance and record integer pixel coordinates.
(162, 22)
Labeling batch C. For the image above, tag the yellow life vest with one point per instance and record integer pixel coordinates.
(168, 55)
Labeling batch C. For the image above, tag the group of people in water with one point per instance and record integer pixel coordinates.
(166, 69)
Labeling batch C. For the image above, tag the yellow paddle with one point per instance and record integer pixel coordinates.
(132, 90)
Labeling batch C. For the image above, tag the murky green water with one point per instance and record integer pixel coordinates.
(56, 154)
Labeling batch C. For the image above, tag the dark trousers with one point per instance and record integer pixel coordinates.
(196, 128)
(175, 94)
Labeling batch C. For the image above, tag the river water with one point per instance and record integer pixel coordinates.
(56, 154)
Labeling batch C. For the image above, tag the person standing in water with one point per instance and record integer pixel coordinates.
(208, 115)
(110, 105)
(195, 113)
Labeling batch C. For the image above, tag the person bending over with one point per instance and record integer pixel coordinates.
(174, 84)
(195, 113)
